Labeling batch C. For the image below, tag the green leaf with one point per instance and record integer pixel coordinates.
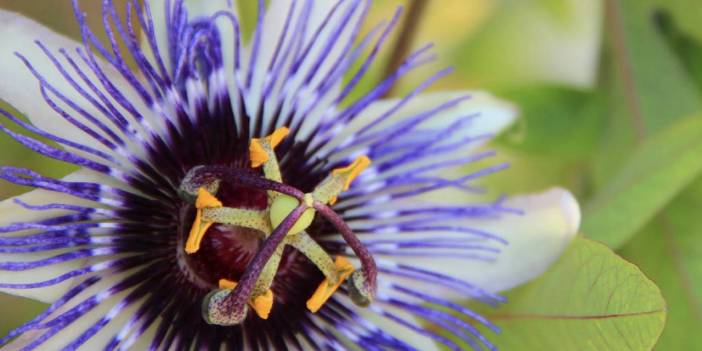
(669, 251)
(658, 83)
(648, 85)
(552, 141)
(21, 309)
(554, 121)
(661, 167)
(591, 299)
(687, 48)
(687, 12)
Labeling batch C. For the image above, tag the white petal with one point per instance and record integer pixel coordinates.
(20, 88)
(196, 9)
(13, 213)
(493, 114)
(399, 331)
(490, 115)
(535, 240)
(466, 125)
(300, 95)
(98, 341)
(371, 322)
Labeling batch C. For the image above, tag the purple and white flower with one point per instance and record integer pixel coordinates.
(182, 97)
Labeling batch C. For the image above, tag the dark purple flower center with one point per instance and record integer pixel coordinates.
(227, 250)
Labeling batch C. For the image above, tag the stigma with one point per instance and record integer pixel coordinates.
(282, 223)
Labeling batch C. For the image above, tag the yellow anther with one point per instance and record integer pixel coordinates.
(227, 284)
(206, 200)
(257, 154)
(278, 136)
(261, 304)
(200, 227)
(325, 290)
(352, 171)
(257, 151)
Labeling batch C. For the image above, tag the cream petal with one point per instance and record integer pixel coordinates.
(493, 115)
(20, 88)
(484, 115)
(295, 89)
(143, 341)
(469, 120)
(110, 306)
(534, 241)
(372, 321)
(195, 8)
(13, 213)
(399, 331)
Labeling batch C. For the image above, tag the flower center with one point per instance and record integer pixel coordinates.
(225, 249)
(250, 220)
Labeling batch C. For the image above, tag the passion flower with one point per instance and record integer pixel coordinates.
(236, 196)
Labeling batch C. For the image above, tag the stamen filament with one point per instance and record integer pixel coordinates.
(247, 218)
(265, 279)
(205, 200)
(303, 243)
(339, 180)
(262, 152)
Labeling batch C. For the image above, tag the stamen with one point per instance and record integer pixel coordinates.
(205, 200)
(252, 219)
(340, 180)
(260, 150)
(227, 284)
(350, 172)
(257, 154)
(327, 288)
(261, 304)
(303, 243)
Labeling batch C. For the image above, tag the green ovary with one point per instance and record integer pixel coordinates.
(281, 208)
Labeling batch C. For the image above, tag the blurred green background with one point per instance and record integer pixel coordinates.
(609, 93)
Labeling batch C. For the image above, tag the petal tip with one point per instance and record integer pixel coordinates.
(571, 210)
(560, 204)
(503, 112)
(568, 206)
